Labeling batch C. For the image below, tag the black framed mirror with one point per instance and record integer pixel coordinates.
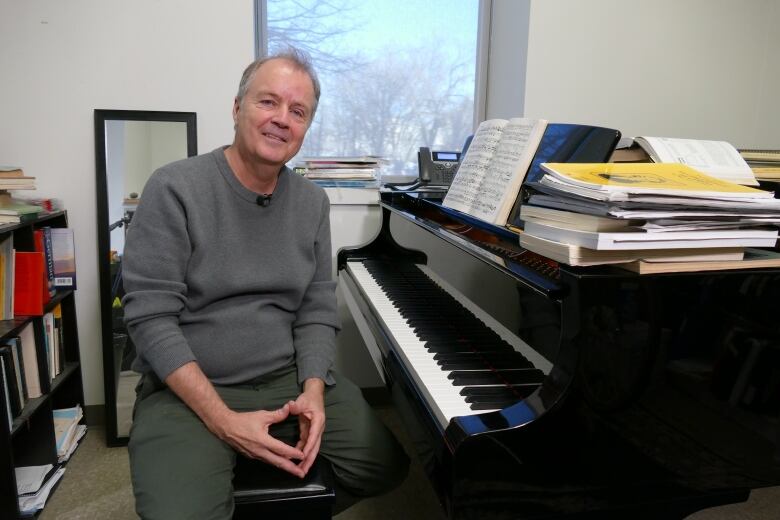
(129, 146)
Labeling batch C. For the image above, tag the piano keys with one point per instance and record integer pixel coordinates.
(460, 364)
(617, 396)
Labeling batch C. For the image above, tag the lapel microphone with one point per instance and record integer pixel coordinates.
(263, 200)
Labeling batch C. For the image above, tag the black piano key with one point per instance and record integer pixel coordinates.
(478, 364)
(494, 377)
(491, 405)
(490, 359)
(521, 391)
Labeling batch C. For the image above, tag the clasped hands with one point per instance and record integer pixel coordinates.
(248, 432)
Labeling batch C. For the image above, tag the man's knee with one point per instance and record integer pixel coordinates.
(367, 458)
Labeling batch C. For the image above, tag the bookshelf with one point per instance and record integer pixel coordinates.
(30, 439)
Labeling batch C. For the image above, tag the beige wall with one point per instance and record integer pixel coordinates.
(695, 68)
(61, 60)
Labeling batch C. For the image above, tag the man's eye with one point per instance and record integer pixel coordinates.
(267, 102)
(299, 114)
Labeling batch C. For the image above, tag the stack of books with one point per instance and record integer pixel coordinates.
(357, 170)
(764, 163)
(648, 217)
(13, 211)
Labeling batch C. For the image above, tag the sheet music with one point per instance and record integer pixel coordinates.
(510, 153)
(465, 188)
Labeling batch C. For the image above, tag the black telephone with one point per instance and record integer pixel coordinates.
(437, 168)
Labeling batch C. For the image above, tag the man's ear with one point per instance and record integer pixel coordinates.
(236, 107)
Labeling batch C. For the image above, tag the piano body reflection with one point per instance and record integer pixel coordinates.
(614, 396)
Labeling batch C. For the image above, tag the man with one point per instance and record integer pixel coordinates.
(231, 305)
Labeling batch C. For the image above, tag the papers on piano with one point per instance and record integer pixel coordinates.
(644, 206)
(716, 158)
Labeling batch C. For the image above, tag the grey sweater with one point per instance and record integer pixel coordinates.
(211, 276)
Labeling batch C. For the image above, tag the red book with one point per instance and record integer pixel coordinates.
(31, 291)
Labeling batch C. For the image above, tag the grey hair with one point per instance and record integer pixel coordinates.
(299, 59)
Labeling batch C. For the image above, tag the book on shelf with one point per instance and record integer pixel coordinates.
(31, 291)
(17, 208)
(624, 181)
(7, 171)
(645, 239)
(6, 394)
(717, 158)
(42, 243)
(28, 349)
(7, 277)
(16, 354)
(488, 179)
(581, 256)
(752, 259)
(63, 250)
(13, 392)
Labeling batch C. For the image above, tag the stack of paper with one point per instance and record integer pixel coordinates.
(340, 169)
(34, 484)
(642, 207)
(68, 431)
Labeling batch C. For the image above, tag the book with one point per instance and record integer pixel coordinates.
(13, 392)
(28, 349)
(13, 344)
(42, 244)
(758, 155)
(753, 259)
(619, 181)
(10, 172)
(30, 287)
(7, 276)
(581, 256)
(64, 255)
(14, 207)
(6, 394)
(717, 158)
(642, 239)
(489, 177)
(569, 219)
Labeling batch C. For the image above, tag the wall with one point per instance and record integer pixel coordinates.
(61, 60)
(699, 69)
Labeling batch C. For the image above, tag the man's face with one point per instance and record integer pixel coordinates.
(274, 114)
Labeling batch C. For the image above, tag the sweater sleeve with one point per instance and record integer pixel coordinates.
(154, 265)
(316, 323)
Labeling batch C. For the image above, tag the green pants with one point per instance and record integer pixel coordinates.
(180, 470)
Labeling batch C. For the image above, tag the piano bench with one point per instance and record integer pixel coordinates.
(263, 491)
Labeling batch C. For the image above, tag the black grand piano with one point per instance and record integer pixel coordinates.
(616, 396)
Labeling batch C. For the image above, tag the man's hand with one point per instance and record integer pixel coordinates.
(246, 432)
(310, 409)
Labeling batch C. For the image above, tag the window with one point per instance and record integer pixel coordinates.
(395, 74)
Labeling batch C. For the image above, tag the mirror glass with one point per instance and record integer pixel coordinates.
(129, 146)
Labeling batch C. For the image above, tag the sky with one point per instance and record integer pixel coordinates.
(390, 22)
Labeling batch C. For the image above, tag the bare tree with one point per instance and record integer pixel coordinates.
(316, 27)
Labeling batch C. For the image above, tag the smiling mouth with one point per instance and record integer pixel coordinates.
(275, 137)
